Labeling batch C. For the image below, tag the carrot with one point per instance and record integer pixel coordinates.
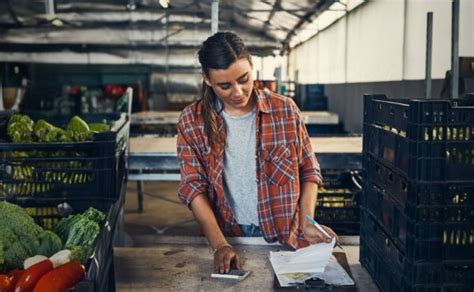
(31, 276)
(61, 278)
(6, 283)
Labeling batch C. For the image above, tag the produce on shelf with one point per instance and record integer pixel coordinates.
(99, 127)
(8, 282)
(79, 232)
(45, 132)
(78, 130)
(21, 238)
(39, 177)
(20, 128)
(61, 278)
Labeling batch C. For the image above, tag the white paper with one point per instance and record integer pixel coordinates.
(334, 274)
(300, 265)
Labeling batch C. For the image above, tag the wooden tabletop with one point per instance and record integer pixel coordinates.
(187, 267)
(171, 117)
(148, 144)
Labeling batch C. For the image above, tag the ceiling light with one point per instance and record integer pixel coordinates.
(164, 3)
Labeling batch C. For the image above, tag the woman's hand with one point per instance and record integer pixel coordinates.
(224, 257)
(312, 234)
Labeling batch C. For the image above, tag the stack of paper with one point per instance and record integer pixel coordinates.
(292, 267)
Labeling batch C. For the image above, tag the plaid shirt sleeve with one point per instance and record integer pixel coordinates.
(308, 164)
(193, 175)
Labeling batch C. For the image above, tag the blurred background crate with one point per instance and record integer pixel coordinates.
(338, 202)
(92, 168)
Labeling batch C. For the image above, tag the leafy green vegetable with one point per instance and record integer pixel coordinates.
(99, 127)
(83, 233)
(45, 132)
(78, 130)
(94, 214)
(80, 253)
(20, 128)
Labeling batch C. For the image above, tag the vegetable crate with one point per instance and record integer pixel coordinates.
(71, 169)
(429, 220)
(338, 204)
(426, 140)
(393, 271)
(99, 268)
(418, 193)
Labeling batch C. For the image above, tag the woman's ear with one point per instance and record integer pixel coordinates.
(206, 80)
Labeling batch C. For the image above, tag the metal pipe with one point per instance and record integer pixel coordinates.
(455, 50)
(429, 49)
(215, 16)
(49, 7)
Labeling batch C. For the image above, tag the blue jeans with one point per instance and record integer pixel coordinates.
(250, 230)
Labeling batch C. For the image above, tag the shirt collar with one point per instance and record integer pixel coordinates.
(262, 100)
(261, 104)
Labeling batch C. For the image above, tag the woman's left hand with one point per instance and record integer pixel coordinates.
(313, 235)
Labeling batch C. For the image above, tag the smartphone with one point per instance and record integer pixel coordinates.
(233, 274)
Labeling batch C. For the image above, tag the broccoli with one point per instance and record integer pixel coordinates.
(20, 128)
(15, 254)
(18, 236)
(49, 244)
(16, 218)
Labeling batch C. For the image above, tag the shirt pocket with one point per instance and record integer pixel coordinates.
(278, 165)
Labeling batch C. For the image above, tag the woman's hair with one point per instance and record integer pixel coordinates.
(219, 51)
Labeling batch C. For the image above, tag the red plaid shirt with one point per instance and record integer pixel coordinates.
(284, 157)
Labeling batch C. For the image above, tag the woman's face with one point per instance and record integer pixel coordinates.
(234, 86)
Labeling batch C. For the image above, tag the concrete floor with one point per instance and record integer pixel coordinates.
(163, 213)
(165, 216)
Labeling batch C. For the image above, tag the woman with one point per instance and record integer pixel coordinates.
(247, 165)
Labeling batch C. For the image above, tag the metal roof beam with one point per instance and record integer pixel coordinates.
(317, 9)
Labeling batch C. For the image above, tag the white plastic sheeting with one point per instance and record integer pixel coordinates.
(383, 40)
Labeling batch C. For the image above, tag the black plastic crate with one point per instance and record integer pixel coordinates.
(445, 198)
(338, 201)
(428, 140)
(339, 209)
(432, 231)
(391, 268)
(389, 213)
(424, 161)
(92, 168)
(99, 269)
(387, 278)
(403, 114)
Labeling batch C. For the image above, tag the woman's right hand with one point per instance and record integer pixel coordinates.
(224, 257)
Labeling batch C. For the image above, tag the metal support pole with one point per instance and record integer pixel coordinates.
(215, 16)
(455, 50)
(49, 7)
(429, 48)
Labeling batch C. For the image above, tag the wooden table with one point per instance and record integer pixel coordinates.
(147, 144)
(185, 264)
(171, 117)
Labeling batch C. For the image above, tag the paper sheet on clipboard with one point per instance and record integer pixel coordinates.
(292, 267)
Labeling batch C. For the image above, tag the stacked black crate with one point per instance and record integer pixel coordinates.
(417, 220)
